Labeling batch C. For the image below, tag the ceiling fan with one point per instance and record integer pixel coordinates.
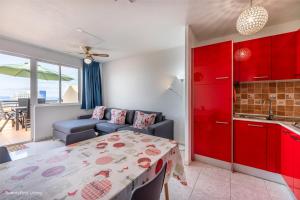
(89, 56)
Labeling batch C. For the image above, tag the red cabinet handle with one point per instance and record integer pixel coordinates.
(218, 122)
(222, 77)
(260, 77)
(295, 138)
(256, 125)
(286, 132)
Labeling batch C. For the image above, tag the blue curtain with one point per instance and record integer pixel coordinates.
(91, 86)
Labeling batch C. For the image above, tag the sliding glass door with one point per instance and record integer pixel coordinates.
(15, 94)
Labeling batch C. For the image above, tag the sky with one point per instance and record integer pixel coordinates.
(11, 86)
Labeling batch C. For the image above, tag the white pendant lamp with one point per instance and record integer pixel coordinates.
(88, 60)
(252, 20)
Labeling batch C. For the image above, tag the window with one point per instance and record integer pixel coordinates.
(57, 84)
(69, 84)
(14, 78)
(48, 82)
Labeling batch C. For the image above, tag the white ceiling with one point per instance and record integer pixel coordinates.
(122, 28)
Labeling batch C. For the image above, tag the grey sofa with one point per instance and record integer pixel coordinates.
(83, 128)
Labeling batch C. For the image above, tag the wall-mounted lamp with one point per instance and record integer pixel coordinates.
(177, 86)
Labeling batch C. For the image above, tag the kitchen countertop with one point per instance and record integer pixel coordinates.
(285, 124)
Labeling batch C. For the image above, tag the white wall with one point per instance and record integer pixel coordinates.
(44, 116)
(142, 82)
(189, 43)
(267, 31)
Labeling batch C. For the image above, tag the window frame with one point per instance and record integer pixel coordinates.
(34, 80)
(59, 89)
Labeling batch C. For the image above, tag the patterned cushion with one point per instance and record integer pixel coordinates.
(143, 120)
(118, 116)
(98, 112)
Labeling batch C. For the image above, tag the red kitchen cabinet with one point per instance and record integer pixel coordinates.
(250, 144)
(236, 68)
(298, 52)
(212, 79)
(253, 59)
(212, 63)
(284, 56)
(297, 167)
(287, 157)
(274, 148)
(213, 121)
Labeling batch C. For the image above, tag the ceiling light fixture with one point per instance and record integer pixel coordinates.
(252, 20)
(88, 60)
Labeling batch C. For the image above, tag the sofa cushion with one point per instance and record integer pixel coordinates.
(98, 112)
(109, 127)
(159, 117)
(118, 116)
(143, 120)
(129, 115)
(78, 125)
(131, 128)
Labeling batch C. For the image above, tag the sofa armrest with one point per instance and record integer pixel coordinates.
(163, 129)
(84, 117)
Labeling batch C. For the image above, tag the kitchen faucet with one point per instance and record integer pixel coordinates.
(270, 115)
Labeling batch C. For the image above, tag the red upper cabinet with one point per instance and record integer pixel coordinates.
(298, 53)
(274, 148)
(211, 63)
(236, 68)
(253, 59)
(284, 56)
(250, 144)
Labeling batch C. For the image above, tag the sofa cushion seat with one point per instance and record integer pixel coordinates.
(131, 128)
(74, 126)
(109, 127)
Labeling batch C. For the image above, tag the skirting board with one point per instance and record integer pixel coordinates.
(214, 162)
(270, 176)
(242, 169)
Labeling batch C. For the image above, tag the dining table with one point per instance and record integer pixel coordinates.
(105, 167)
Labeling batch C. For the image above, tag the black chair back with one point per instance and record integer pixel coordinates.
(41, 100)
(152, 189)
(23, 102)
(4, 155)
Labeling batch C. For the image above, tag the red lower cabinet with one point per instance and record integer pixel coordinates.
(212, 121)
(274, 148)
(250, 144)
(296, 176)
(287, 157)
(270, 147)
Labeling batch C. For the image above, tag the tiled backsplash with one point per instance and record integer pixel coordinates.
(254, 98)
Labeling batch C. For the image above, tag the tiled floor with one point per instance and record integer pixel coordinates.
(205, 182)
(9, 135)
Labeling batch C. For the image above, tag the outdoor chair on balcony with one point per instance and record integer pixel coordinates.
(6, 116)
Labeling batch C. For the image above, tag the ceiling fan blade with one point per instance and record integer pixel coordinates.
(100, 54)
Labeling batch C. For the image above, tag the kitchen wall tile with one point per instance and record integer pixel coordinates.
(254, 98)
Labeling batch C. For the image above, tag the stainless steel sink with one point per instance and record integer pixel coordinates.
(249, 116)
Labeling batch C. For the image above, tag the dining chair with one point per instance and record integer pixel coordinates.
(6, 116)
(26, 116)
(4, 155)
(152, 189)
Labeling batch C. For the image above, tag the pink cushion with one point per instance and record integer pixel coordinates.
(98, 112)
(118, 116)
(143, 120)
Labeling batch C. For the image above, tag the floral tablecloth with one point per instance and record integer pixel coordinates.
(106, 167)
